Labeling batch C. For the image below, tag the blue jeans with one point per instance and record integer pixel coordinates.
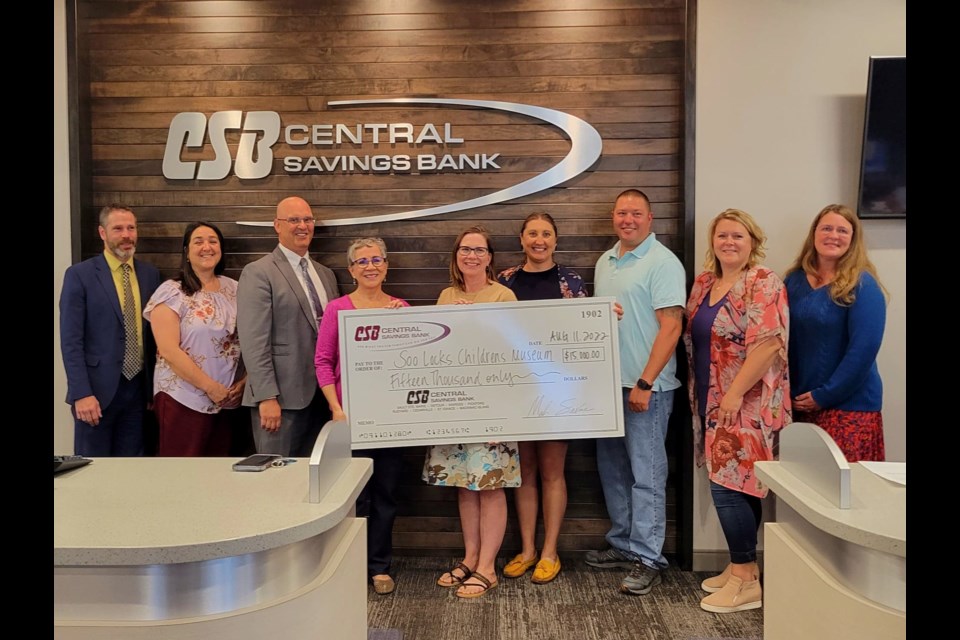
(740, 515)
(633, 474)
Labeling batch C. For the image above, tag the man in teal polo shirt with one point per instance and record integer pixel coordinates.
(647, 280)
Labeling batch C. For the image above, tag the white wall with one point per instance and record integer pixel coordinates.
(62, 422)
(780, 102)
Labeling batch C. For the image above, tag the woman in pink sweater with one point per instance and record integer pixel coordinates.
(367, 261)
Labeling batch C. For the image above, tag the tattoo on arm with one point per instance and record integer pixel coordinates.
(674, 313)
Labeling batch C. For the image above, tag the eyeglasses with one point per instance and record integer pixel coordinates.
(296, 221)
(479, 251)
(376, 261)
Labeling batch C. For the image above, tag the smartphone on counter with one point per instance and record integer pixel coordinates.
(256, 462)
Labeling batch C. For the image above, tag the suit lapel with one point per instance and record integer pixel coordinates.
(280, 260)
(105, 277)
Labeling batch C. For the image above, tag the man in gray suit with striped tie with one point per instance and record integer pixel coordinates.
(280, 300)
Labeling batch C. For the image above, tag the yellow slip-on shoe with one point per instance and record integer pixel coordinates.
(546, 571)
(518, 566)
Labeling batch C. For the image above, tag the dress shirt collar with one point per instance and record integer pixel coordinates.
(113, 262)
(293, 258)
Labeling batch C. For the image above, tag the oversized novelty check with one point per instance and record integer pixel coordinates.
(538, 370)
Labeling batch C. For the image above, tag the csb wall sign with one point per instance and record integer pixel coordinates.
(261, 130)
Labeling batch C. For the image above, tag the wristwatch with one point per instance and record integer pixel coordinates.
(643, 385)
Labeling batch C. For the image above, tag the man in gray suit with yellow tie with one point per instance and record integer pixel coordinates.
(280, 300)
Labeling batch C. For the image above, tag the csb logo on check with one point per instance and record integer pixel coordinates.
(259, 131)
(363, 334)
(418, 396)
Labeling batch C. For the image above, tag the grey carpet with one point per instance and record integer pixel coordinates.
(384, 634)
(581, 604)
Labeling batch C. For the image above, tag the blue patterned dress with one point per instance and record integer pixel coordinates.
(475, 466)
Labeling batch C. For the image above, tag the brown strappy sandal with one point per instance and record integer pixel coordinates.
(455, 580)
(482, 581)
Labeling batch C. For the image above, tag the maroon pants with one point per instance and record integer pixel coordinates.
(185, 432)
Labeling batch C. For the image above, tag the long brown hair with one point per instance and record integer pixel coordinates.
(851, 264)
(189, 282)
(456, 277)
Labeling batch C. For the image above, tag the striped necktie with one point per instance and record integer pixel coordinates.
(314, 298)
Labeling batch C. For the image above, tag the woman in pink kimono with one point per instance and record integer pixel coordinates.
(736, 338)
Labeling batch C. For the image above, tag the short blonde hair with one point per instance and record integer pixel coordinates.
(757, 239)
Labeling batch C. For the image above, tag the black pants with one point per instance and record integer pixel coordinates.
(378, 503)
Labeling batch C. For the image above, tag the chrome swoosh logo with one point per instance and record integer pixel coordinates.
(585, 148)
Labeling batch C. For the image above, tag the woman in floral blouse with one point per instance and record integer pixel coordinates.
(194, 322)
(736, 339)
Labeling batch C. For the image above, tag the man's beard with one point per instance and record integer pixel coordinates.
(122, 254)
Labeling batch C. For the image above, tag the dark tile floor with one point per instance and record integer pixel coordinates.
(581, 604)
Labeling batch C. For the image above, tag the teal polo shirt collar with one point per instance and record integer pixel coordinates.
(638, 252)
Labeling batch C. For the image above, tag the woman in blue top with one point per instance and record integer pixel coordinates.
(837, 313)
(540, 278)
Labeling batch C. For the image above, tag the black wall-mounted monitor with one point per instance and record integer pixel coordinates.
(883, 164)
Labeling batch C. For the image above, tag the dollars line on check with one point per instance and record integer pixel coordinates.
(438, 378)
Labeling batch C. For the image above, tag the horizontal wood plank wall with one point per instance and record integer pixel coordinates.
(618, 64)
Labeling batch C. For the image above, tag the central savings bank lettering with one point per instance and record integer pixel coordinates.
(261, 130)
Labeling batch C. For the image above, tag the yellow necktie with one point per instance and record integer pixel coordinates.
(132, 363)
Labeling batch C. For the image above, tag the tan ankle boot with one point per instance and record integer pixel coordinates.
(714, 584)
(736, 595)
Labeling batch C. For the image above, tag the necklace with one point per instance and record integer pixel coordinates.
(720, 288)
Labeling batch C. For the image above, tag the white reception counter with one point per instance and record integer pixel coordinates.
(835, 560)
(188, 548)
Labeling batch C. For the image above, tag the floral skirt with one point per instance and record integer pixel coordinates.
(859, 434)
(473, 466)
